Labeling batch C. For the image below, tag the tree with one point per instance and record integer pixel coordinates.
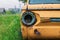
(23, 0)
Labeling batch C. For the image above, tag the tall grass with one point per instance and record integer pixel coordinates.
(10, 27)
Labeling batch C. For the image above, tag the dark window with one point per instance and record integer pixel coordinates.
(44, 1)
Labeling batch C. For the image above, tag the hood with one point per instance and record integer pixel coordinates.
(44, 6)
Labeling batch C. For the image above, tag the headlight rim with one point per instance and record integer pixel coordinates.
(33, 18)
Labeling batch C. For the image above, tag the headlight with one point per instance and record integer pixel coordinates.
(28, 18)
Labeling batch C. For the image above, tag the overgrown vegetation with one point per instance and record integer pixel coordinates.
(10, 27)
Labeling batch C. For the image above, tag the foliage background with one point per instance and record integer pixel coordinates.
(23, 0)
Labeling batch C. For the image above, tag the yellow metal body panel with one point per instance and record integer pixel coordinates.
(46, 29)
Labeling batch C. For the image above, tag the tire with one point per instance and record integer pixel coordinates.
(28, 18)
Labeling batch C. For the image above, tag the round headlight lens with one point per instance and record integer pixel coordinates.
(28, 18)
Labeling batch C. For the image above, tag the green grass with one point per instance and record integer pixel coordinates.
(10, 27)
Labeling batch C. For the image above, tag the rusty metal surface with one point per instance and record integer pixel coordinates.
(43, 28)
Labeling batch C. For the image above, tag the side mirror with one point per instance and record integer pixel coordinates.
(25, 3)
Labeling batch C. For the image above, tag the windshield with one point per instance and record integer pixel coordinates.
(44, 1)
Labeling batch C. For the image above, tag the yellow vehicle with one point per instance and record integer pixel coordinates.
(40, 19)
